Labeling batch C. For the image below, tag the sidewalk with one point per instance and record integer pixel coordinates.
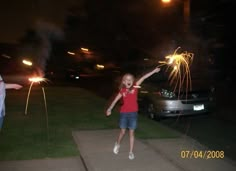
(96, 149)
(150, 155)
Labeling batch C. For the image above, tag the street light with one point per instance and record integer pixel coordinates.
(71, 53)
(84, 49)
(186, 12)
(166, 1)
(27, 62)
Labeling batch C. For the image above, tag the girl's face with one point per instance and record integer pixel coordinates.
(128, 81)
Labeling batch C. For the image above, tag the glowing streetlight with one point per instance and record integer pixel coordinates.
(84, 49)
(71, 53)
(186, 12)
(99, 67)
(166, 1)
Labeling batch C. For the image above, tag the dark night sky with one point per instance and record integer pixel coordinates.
(17, 16)
(137, 16)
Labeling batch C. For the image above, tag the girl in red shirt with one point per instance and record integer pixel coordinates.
(129, 108)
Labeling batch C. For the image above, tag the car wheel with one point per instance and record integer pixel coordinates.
(151, 111)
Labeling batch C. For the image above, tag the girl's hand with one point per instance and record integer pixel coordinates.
(108, 113)
(157, 69)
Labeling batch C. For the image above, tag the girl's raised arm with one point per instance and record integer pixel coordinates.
(145, 76)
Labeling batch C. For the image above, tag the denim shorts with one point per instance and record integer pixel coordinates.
(128, 120)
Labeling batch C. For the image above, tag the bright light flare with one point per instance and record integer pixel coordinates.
(71, 53)
(84, 49)
(37, 79)
(27, 62)
(34, 80)
(166, 1)
(100, 67)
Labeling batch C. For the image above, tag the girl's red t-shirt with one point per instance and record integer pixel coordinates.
(129, 98)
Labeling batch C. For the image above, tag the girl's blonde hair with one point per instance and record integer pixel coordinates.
(124, 77)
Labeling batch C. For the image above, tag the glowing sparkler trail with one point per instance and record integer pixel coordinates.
(45, 105)
(33, 80)
(180, 73)
(27, 101)
(39, 80)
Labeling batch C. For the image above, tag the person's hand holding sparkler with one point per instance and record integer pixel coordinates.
(13, 86)
(17, 86)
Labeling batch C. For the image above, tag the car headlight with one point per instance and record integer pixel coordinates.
(167, 94)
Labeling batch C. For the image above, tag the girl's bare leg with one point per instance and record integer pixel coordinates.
(121, 135)
(131, 140)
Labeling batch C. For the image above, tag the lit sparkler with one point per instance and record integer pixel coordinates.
(180, 72)
(35, 80)
(38, 80)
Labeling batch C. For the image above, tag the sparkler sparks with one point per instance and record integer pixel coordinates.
(38, 80)
(35, 80)
(180, 73)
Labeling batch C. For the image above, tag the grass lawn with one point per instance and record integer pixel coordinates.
(41, 134)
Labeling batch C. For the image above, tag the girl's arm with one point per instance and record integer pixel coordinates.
(156, 70)
(108, 112)
(12, 86)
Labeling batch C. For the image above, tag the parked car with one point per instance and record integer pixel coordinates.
(157, 99)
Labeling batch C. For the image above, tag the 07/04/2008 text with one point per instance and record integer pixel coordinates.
(201, 154)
